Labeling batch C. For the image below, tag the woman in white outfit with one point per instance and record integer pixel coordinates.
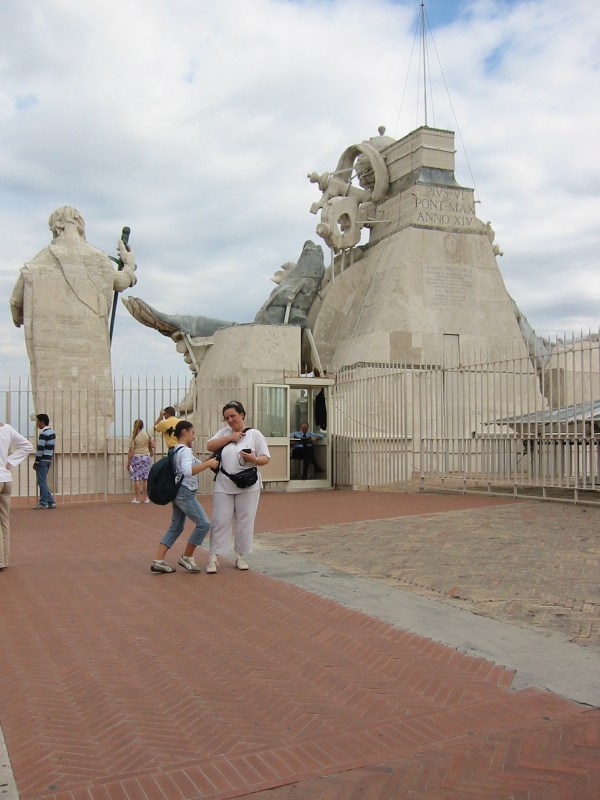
(14, 448)
(240, 448)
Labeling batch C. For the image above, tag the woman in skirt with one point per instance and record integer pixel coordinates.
(139, 459)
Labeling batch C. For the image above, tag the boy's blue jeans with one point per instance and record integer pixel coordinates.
(186, 505)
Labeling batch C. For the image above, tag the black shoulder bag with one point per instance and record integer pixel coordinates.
(243, 479)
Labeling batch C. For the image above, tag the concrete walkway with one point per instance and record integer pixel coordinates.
(360, 656)
(462, 575)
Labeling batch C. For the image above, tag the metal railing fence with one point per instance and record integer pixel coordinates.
(518, 424)
(91, 463)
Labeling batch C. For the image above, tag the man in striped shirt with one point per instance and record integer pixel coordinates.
(43, 459)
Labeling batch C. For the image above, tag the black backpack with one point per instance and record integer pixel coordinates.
(162, 485)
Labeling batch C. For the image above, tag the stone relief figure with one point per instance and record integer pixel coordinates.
(538, 348)
(289, 303)
(170, 324)
(298, 284)
(63, 298)
(491, 234)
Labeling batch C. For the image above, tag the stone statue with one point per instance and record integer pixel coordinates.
(191, 334)
(289, 303)
(298, 284)
(63, 298)
(170, 324)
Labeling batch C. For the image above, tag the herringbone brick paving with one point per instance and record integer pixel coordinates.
(117, 683)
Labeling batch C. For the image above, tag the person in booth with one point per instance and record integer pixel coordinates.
(303, 442)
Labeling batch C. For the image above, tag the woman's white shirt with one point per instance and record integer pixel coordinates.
(22, 447)
(230, 459)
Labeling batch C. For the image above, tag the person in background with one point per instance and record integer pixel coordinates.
(240, 448)
(165, 424)
(185, 503)
(303, 448)
(43, 461)
(14, 448)
(139, 459)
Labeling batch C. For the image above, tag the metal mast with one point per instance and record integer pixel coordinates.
(424, 52)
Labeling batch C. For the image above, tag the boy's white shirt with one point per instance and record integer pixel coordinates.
(184, 461)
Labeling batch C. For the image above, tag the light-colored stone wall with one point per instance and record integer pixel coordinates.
(238, 358)
(572, 374)
(398, 302)
(423, 147)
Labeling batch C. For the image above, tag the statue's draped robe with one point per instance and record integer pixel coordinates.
(64, 297)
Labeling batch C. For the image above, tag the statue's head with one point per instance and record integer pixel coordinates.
(67, 215)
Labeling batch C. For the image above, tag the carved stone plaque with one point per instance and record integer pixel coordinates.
(448, 285)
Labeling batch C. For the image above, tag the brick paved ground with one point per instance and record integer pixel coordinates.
(118, 684)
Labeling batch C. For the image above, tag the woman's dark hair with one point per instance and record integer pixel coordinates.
(182, 425)
(236, 405)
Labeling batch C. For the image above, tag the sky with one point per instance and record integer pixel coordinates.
(195, 123)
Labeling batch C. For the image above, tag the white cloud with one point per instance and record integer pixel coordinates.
(196, 123)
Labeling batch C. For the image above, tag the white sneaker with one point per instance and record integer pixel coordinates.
(240, 563)
(161, 566)
(213, 565)
(135, 502)
(188, 562)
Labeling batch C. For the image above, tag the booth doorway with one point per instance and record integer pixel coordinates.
(294, 419)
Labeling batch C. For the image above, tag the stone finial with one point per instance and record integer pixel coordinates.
(491, 234)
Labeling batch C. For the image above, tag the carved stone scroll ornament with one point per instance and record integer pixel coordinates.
(343, 205)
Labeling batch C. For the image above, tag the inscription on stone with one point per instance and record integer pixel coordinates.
(436, 205)
(448, 285)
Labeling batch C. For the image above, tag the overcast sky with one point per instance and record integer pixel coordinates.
(195, 123)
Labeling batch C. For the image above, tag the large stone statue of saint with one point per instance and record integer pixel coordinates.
(63, 299)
